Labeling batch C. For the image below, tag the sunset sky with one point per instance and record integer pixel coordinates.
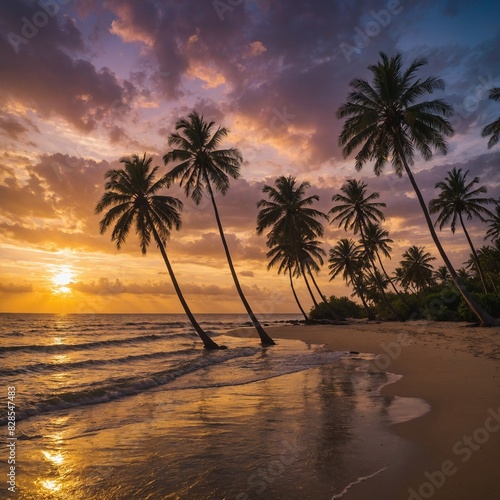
(85, 82)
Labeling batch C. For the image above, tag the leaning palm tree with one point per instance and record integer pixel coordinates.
(288, 211)
(355, 209)
(417, 267)
(202, 165)
(493, 128)
(378, 242)
(494, 224)
(346, 258)
(289, 214)
(456, 199)
(131, 193)
(310, 256)
(284, 253)
(387, 124)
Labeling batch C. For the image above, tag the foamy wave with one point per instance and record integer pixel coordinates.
(118, 388)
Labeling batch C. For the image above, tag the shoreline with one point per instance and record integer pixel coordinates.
(454, 368)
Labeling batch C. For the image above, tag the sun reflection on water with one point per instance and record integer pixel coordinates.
(55, 458)
(52, 486)
(59, 358)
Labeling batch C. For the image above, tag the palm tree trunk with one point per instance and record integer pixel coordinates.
(295, 296)
(369, 312)
(390, 279)
(485, 319)
(493, 285)
(264, 337)
(334, 314)
(394, 313)
(309, 288)
(474, 254)
(207, 341)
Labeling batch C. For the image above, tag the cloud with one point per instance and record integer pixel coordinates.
(66, 85)
(105, 286)
(12, 127)
(15, 288)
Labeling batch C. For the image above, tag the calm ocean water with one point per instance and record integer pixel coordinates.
(132, 406)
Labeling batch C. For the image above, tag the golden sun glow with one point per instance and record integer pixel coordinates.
(62, 277)
(56, 458)
(50, 485)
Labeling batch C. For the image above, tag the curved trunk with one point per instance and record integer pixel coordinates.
(485, 319)
(390, 279)
(207, 341)
(295, 296)
(394, 313)
(334, 314)
(474, 255)
(309, 288)
(368, 311)
(264, 337)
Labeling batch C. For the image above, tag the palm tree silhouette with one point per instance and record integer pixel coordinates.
(201, 165)
(493, 128)
(442, 275)
(458, 198)
(417, 267)
(289, 214)
(387, 124)
(131, 194)
(354, 211)
(284, 253)
(377, 242)
(494, 225)
(347, 258)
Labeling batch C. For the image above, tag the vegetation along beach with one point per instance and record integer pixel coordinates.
(249, 250)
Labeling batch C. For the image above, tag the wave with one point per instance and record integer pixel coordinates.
(101, 392)
(90, 345)
(121, 387)
(60, 367)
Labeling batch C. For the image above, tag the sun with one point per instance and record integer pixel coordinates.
(61, 278)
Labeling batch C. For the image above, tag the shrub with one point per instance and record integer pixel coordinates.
(490, 302)
(341, 305)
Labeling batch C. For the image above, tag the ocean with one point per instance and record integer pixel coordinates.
(131, 406)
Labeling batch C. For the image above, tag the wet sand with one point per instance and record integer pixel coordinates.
(456, 369)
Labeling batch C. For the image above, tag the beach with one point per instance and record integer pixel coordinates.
(131, 406)
(455, 368)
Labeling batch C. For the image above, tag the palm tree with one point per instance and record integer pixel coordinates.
(417, 267)
(489, 256)
(289, 214)
(131, 192)
(458, 198)
(201, 165)
(464, 273)
(493, 128)
(494, 224)
(442, 275)
(285, 254)
(346, 258)
(386, 123)
(377, 242)
(355, 210)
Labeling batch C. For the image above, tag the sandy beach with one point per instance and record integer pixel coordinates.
(455, 368)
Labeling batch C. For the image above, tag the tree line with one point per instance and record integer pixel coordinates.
(385, 122)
